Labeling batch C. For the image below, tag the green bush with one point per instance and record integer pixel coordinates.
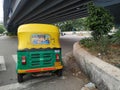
(88, 42)
(67, 27)
(2, 29)
(99, 21)
(101, 46)
(116, 38)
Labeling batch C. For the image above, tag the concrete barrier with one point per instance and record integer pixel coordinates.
(104, 75)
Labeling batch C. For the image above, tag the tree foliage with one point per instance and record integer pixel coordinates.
(2, 29)
(77, 24)
(116, 37)
(80, 24)
(99, 21)
(65, 26)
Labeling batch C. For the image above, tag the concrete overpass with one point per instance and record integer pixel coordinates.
(17, 12)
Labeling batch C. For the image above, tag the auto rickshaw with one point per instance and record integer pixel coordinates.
(38, 50)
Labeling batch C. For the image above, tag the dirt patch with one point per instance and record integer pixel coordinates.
(112, 56)
(72, 67)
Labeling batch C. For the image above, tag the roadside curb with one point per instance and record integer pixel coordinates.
(104, 75)
(4, 37)
(12, 36)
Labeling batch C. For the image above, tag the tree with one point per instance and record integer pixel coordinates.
(65, 26)
(78, 24)
(2, 29)
(99, 21)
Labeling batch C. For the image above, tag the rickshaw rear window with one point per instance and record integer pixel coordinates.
(40, 39)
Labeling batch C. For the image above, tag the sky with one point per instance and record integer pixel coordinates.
(1, 10)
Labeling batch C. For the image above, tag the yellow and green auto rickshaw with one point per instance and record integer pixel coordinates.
(38, 50)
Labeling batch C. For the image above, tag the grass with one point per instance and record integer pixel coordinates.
(104, 49)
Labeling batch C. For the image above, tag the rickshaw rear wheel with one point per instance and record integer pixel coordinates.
(20, 78)
(59, 72)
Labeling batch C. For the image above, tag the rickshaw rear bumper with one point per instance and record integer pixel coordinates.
(40, 69)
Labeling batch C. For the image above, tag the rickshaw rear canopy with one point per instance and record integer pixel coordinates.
(32, 36)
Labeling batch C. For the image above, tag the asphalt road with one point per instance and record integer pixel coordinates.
(8, 79)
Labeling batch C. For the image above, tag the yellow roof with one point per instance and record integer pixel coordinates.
(38, 28)
(25, 32)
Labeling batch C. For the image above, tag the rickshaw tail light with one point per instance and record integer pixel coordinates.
(23, 60)
(57, 57)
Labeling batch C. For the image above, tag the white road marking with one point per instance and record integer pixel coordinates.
(12, 86)
(2, 64)
(3, 37)
(15, 58)
(20, 86)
